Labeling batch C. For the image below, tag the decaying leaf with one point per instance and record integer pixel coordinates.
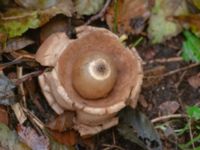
(15, 44)
(57, 146)
(32, 139)
(130, 15)
(129, 134)
(62, 122)
(56, 24)
(88, 7)
(160, 27)
(9, 139)
(7, 96)
(14, 22)
(67, 138)
(168, 107)
(3, 115)
(194, 81)
(142, 126)
(192, 21)
(191, 47)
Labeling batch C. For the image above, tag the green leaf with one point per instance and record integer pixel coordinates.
(15, 21)
(18, 25)
(160, 26)
(191, 47)
(88, 7)
(9, 139)
(193, 112)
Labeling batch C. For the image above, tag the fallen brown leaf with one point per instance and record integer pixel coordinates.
(68, 138)
(131, 16)
(3, 115)
(169, 107)
(194, 81)
(62, 122)
(192, 20)
(16, 44)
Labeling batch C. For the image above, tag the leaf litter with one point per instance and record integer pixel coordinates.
(156, 23)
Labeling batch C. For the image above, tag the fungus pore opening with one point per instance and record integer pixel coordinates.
(94, 75)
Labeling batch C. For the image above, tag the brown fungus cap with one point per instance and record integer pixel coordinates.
(95, 110)
(129, 71)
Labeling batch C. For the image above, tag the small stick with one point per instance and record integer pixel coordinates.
(181, 79)
(100, 14)
(176, 71)
(164, 60)
(14, 62)
(21, 86)
(172, 116)
(27, 77)
(38, 124)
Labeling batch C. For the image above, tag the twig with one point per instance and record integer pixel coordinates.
(175, 71)
(21, 86)
(181, 79)
(164, 60)
(172, 116)
(14, 62)
(39, 125)
(28, 76)
(100, 14)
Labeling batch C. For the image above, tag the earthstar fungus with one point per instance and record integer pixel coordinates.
(94, 75)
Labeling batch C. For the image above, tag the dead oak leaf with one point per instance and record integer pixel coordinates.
(68, 138)
(62, 122)
(131, 15)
